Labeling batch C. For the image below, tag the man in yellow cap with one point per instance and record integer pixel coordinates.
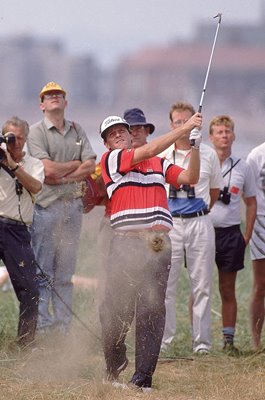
(68, 158)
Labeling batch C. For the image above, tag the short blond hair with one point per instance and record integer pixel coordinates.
(221, 120)
(180, 106)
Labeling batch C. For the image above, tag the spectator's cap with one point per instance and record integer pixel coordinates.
(110, 121)
(51, 87)
(135, 116)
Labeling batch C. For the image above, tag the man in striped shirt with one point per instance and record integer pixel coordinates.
(140, 250)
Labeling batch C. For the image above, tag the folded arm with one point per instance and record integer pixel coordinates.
(57, 173)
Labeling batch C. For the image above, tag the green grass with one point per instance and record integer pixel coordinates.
(72, 368)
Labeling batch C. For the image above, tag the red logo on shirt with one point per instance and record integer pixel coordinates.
(234, 190)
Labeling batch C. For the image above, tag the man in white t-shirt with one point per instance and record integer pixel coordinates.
(256, 159)
(226, 216)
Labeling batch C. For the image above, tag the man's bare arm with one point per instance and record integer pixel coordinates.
(161, 143)
(77, 174)
(214, 194)
(251, 211)
(54, 171)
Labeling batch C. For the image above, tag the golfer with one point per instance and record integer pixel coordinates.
(140, 251)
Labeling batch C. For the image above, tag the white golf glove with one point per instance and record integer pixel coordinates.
(195, 138)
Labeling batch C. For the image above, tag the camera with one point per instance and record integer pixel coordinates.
(173, 192)
(7, 138)
(225, 195)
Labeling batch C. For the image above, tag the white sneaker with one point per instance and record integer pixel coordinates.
(202, 352)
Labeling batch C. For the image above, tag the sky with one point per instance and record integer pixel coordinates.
(111, 29)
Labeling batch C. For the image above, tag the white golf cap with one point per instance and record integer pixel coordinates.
(110, 121)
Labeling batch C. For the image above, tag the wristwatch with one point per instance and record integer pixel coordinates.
(14, 169)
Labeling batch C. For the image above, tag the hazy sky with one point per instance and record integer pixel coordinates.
(111, 28)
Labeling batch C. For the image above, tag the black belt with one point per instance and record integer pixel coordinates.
(10, 221)
(191, 215)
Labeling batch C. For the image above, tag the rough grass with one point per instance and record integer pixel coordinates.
(72, 368)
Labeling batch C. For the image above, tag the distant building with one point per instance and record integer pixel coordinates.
(156, 77)
(27, 63)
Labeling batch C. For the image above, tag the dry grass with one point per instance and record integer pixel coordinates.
(72, 368)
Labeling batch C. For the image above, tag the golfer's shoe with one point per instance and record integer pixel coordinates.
(138, 388)
(131, 386)
(113, 375)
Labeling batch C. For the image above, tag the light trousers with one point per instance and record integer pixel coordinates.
(193, 244)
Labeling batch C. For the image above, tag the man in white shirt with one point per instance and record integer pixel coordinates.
(192, 235)
(256, 159)
(21, 178)
(226, 216)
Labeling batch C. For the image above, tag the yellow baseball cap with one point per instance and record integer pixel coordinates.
(51, 86)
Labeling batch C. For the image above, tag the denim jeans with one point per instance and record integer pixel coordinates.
(55, 239)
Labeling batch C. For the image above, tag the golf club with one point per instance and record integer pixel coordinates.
(219, 16)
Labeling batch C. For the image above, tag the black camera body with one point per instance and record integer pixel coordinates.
(173, 192)
(225, 196)
(8, 138)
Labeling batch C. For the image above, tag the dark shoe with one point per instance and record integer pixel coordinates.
(140, 385)
(231, 350)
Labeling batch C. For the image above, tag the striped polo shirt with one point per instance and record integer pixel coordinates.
(137, 192)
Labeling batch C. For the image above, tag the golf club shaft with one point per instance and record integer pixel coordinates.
(219, 15)
(210, 62)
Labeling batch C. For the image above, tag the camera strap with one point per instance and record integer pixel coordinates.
(18, 185)
(229, 171)
(8, 170)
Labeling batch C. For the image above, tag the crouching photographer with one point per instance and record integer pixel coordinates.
(21, 177)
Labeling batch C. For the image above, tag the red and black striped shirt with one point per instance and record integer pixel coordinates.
(137, 192)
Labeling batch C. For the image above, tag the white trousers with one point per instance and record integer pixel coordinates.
(193, 239)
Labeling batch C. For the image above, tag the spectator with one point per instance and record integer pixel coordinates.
(67, 156)
(256, 159)
(192, 236)
(226, 217)
(21, 178)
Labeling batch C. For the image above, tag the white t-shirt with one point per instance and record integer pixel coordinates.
(240, 181)
(256, 160)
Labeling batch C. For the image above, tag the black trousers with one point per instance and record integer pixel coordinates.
(18, 257)
(136, 281)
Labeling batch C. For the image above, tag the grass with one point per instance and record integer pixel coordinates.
(72, 368)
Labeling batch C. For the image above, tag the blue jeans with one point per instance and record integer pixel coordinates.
(55, 240)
